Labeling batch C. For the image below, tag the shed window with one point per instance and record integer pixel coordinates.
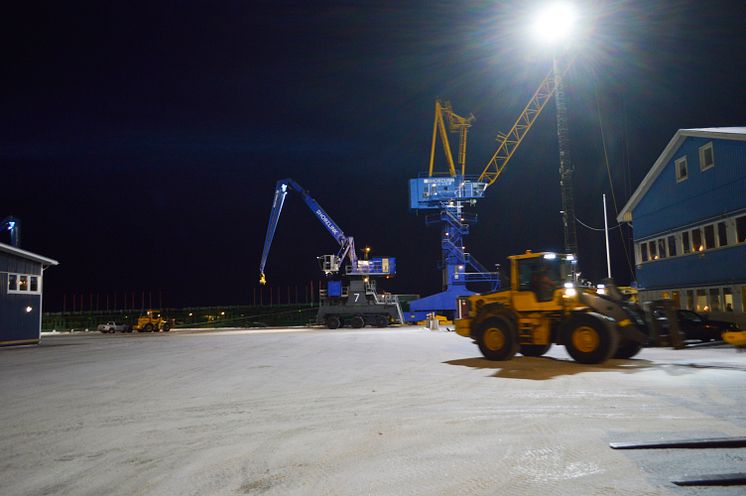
(643, 252)
(706, 157)
(672, 246)
(24, 283)
(681, 169)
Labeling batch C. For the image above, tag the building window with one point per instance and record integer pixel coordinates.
(697, 240)
(681, 169)
(653, 252)
(23, 284)
(741, 229)
(685, 245)
(710, 236)
(728, 299)
(643, 252)
(689, 299)
(722, 234)
(714, 299)
(701, 301)
(706, 157)
(662, 248)
(672, 246)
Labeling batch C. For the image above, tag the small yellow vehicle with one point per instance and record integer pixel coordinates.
(544, 305)
(736, 338)
(152, 321)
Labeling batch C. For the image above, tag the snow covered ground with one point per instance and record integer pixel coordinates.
(399, 411)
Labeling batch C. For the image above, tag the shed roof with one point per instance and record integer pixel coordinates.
(727, 133)
(27, 255)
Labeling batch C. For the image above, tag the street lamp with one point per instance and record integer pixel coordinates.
(555, 23)
(554, 26)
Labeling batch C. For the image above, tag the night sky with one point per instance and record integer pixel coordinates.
(141, 141)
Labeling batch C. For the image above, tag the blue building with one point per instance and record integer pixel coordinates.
(689, 222)
(21, 284)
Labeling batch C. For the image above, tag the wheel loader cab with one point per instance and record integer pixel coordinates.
(540, 280)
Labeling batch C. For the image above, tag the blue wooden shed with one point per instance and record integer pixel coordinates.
(21, 285)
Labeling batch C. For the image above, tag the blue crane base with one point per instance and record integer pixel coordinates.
(443, 303)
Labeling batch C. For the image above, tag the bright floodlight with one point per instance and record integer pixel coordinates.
(555, 23)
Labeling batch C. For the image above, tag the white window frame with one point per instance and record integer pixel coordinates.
(676, 163)
(702, 166)
(24, 291)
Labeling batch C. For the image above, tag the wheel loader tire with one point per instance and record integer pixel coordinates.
(357, 322)
(497, 339)
(588, 340)
(166, 327)
(147, 328)
(535, 350)
(628, 349)
(333, 322)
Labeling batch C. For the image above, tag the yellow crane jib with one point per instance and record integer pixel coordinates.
(509, 142)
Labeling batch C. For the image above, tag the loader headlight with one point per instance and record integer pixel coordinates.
(570, 290)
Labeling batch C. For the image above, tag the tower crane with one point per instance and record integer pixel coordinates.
(357, 303)
(451, 193)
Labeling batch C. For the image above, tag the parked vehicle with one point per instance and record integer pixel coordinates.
(112, 327)
(695, 326)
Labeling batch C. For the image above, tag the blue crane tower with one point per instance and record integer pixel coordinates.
(451, 193)
(356, 303)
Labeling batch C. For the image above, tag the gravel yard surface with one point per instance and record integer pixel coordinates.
(399, 411)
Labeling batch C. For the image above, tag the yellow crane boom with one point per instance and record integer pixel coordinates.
(509, 142)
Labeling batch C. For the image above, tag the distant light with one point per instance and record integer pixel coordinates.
(222, 313)
(190, 314)
(28, 309)
(550, 256)
(555, 22)
(570, 257)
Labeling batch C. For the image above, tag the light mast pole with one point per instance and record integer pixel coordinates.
(566, 169)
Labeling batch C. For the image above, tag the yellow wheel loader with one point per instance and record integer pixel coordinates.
(544, 305)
